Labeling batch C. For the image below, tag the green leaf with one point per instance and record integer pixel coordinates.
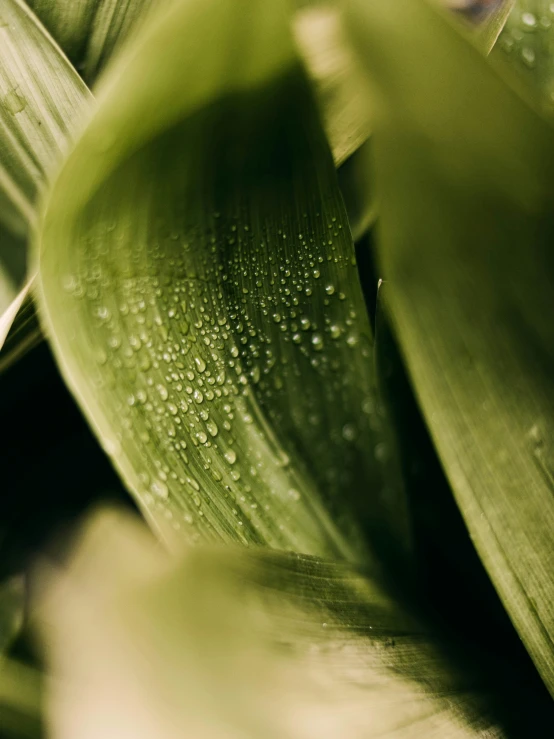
(90, 31)
(7, 290)
(20, 700)
(199, 286)
(20, 329)
(70, 23)
(486, 19)
(224, 643)
(525, 49)
(340, 91)
(356, 187)
(493, 24)
(451, 577)
(8, 316)
(464, 171)
(114, 21)
(342, 103)
(11, 610)
(18, 694)
(41, 96)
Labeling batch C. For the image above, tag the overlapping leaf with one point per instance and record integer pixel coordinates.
(198, 278)
(226, 643)
(41, 95)
(464, 170)
(90, 31)
(69, 23)
(329, 58)
(525, 47)
(8, 316)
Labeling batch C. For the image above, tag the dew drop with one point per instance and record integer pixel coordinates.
(349, 432)
(100, 356)
(160, 489)
(230, 456)
(317, 342)
(162, 390)
(529, 20)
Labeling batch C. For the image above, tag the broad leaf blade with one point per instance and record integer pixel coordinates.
(452, 578)
(464, 171)
(224, 643)
(198, 280)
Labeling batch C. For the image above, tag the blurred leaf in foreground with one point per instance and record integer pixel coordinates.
(20, 700)
(464, 172)
(11, 609)
(225, 643)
